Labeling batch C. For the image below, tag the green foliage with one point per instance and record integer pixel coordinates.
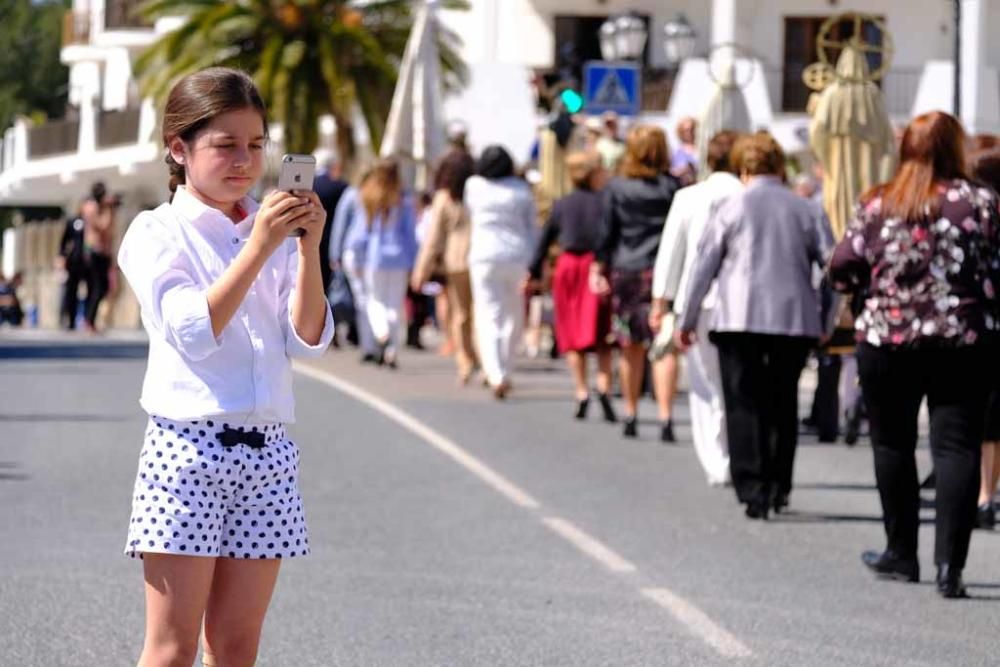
(32, 80)
(308, 57)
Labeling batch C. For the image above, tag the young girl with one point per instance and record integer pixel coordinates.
(227, 298)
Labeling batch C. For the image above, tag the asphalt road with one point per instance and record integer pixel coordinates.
(448, 529)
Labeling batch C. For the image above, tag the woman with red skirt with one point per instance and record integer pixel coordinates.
(583, 318)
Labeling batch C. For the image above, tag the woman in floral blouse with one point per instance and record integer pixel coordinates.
(925, 248)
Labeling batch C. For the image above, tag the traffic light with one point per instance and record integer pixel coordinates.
(572, 100)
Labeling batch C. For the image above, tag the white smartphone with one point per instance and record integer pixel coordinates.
(297, 172)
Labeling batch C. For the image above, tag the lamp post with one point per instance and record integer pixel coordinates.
(623, 37)
(679, 40)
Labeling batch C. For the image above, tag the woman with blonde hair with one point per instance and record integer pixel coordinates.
(583, 318)
(926, 248)
(635, 207)
(390, 250)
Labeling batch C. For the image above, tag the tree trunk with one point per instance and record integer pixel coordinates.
(346, 149)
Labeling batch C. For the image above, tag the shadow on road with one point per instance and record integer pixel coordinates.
(821, 486)
(792, 516)
(64, 418)
(9, 473)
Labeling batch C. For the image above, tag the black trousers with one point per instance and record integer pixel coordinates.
(955, 382)
(75, 275)
(760, 381)
(98, 266)
(825, 411)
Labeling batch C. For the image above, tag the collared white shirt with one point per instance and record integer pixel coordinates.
(689, 213)
(170, 257)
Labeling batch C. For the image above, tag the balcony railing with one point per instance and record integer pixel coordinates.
(75, 28)
(53, 138)
(115, 128)
(788, 93)
(123, 14)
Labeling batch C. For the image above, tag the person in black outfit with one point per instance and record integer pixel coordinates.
(926, 246)
(71, 260)
(329, 187)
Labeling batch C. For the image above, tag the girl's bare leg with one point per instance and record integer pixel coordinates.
(604, 371)
(632, 368)
(665, 382)
(241, 591)
(988, 472)
(177, 590)
(578, 366)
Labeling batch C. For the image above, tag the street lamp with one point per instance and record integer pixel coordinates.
(623, 37)
(679, 40)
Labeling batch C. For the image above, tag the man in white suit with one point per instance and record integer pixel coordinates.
(688, 215)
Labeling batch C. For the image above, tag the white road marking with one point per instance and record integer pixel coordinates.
(686, 613)
(429, 435)
(698, 623)
(588, 545)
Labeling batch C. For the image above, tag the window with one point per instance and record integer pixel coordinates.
(577, 40)
(801, 35)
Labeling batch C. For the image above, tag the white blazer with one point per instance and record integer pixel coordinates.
(689, 213)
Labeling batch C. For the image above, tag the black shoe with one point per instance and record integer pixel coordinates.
(888, 565)
(581, 408)
(949, 582)
(607, 409)
(380, 357)
(667, 431)
(631, 428)
(929, 482)
(779, 502)
(756, 510)
(986, 517)
(368, 358)
(852, 426)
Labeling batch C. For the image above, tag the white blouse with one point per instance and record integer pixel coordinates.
(170, 256)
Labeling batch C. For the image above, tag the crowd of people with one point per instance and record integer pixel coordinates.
(739, 274)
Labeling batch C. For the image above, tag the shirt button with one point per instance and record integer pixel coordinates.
(235, 240)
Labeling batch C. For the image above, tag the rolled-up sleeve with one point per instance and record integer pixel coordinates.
(173, 304)
(294, 345)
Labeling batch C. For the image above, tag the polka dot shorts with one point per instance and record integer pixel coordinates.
(205, 489)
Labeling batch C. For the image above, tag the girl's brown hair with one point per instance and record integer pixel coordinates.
(198, 98)
(646, 153)
(932, 150)
(382, 188)
(455, 169)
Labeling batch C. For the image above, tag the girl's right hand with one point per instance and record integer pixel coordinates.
(278, 215)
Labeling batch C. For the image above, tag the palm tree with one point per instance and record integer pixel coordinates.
(308, 57)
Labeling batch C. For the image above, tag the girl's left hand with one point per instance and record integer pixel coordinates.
(312, 222)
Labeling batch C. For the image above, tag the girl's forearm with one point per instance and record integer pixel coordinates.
(227, 293)
(309, 305)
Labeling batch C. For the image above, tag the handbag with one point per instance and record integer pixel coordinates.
(340, 297)
(663, 344)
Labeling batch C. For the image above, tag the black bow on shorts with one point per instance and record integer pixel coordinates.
(230, 437)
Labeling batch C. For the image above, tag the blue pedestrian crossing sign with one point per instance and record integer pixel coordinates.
(612, 87)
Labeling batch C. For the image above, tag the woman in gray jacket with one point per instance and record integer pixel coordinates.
(761, 244)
